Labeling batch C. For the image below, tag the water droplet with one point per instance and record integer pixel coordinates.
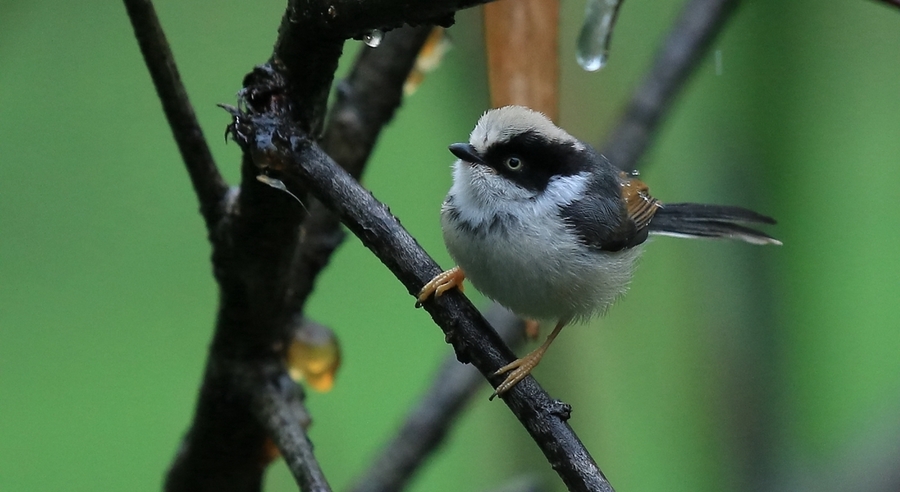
(596, 32)
(314, 354)
(332, 12)
(373, 38)
(593, 62)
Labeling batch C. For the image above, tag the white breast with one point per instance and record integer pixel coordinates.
(518, 251)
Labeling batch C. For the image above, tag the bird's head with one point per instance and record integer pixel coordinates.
(515, 152)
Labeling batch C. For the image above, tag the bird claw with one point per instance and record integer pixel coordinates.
(520, 368)
(441, 283)
(517, 370)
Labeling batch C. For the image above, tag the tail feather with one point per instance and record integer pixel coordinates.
(710, 221)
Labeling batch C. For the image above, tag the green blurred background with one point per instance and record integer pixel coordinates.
(727, 367)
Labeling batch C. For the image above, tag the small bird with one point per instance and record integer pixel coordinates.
(546, 226)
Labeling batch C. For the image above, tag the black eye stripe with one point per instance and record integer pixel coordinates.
(540, 160)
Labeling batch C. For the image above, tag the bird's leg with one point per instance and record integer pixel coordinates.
(532, 329)
(442, 282)
(519, 368)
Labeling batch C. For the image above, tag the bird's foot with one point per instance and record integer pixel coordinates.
(517, 370)
(441, 283)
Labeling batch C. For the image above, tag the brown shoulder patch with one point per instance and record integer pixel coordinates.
(639, 205)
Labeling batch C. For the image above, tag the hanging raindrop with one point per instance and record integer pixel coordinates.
(596, 32)
(373, 38)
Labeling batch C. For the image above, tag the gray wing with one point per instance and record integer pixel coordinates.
(613, 215)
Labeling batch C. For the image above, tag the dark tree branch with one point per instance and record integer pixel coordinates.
(365, 103)
(312, 33)
(427, 424)
(208, 183)
(279, 408)
(698, 25)
(224, 448)
(266, 271)
(302, 164)
(352, 18)
(307, 56)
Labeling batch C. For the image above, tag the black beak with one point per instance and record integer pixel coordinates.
(466, 152)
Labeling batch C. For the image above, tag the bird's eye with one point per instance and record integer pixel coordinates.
(513, 163)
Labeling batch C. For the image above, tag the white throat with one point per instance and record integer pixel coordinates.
(480, 195)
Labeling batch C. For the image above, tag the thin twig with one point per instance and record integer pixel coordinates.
(301, 163)
(280, 409)
(698, 25)
(426, 426)
(208, 183)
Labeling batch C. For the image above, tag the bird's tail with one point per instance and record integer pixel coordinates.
(710, 221)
